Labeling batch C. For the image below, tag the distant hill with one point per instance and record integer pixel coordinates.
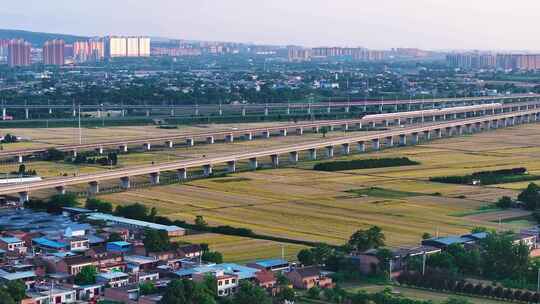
(36, 38)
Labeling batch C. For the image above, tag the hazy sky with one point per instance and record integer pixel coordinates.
(432, 24)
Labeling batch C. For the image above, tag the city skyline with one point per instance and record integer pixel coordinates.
(425, 24)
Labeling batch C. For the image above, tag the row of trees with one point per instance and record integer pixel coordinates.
(110, 160)
(8, 138)
(446, 281)
(486, 177)
(364, 164)
(192, 292)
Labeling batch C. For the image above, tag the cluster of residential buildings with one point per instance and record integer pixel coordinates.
(368, 261)
(47, 252)
(476, 60)
(18, 52)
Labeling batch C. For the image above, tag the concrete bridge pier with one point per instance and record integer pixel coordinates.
(231, 166)
(266, 112)
(208, 170)
(229, 138)
(50, 111)
(427, 135)
(243, 111)
(361, 147)
(345, 127)
(347, 109)
(331, 128)
(397, 122)
(147, 146)
(169, 144)
(253, 163)
(469, 128)
(147, 113)
(60, 189)
(359, 125)
(181, 174)
(190, 142)
(99, 150)
(315, 129)
(154, 178)
(288, 111)
(26, 113)
(125, 182)
(210, 140)
(172, 112)
(414, 138)
(346, 149)
(438, 133)
(283, 132)
(330, 151)
(376, 144)
(293, 157)
(74, 153)
(4, 113)
(390, 141)
(266, 134)
(312, 154)
(275, 160)
(93, 188)
(402, 139)
(74, 113)
(300, 131)
(248, 136)
(459, 130)
(20, 159)
(24, 197)
(123, 148)
(372, 124)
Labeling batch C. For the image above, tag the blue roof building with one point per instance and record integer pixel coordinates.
(270, 264)
(119, 246)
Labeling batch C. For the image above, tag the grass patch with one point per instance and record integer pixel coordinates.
(488, 177)
(384, 193)
(481, 210)
(364, 164)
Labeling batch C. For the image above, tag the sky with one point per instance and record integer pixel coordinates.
(376, 24)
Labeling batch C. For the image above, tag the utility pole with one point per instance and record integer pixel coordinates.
(80, 130)
(424, 263)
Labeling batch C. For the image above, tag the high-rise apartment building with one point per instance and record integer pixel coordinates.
(53, 52)
(18, 53)
(127, 47)
(3, 49)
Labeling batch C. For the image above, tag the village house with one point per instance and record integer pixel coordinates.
(308, 277)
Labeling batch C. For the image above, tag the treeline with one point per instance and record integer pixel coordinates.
(444, 281)
(87, 158)
(364, 164)
(487, 177)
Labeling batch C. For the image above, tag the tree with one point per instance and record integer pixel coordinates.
(504, 202)
(58, 201)
(324, 130)
(363, 240)
(248, 293)
(17, 290)
(135, 211)
(99, 205)
(314, 293)
(282, 280)
(530, 196)
(200, 222)
(5, 297)
(53, 154)
(156, 240)
(426, 236)
(305, 257)
(114, 237)
(187, 292)
(22, 169)
(86, 276)
(212, 257)
(321, 253)
(286, 294)
(147, 288)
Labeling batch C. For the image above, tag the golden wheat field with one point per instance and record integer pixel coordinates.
(300, 203)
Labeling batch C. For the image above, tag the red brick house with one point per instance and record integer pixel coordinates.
(307, 277)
